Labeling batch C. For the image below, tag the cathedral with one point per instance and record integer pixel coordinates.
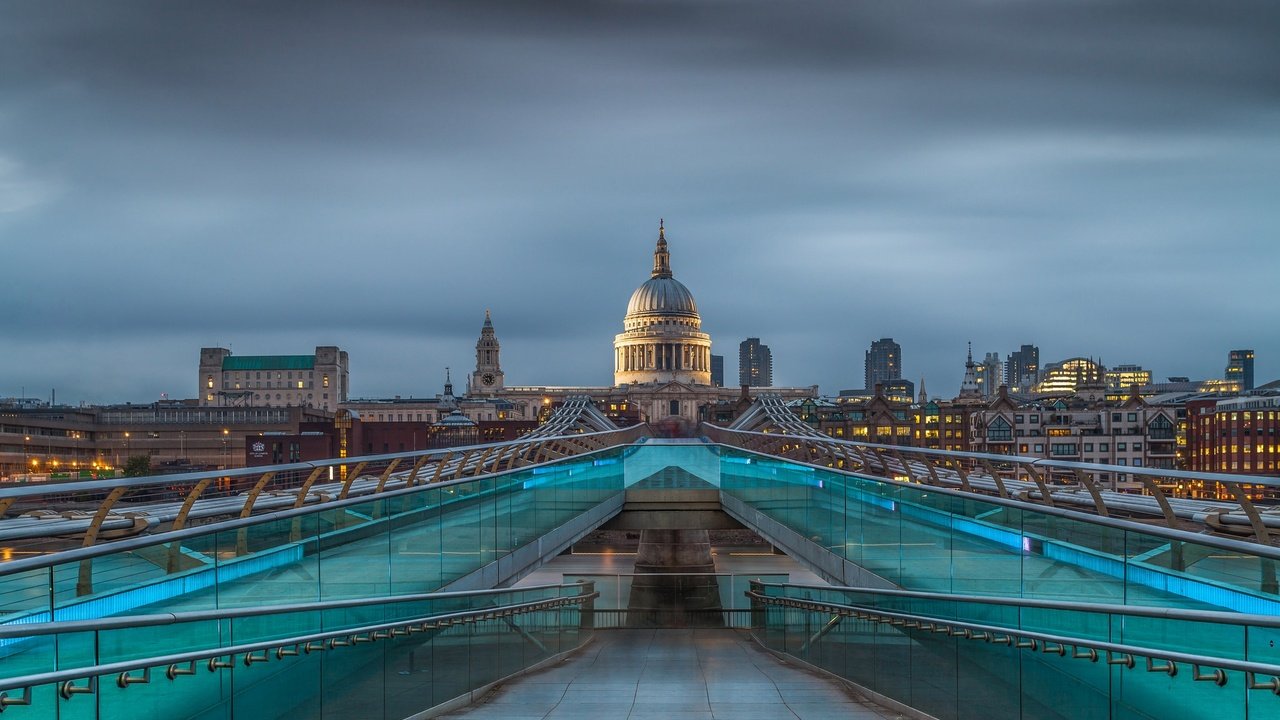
(661, 362)
(662, 339)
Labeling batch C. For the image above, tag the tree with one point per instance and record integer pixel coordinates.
(137, 466)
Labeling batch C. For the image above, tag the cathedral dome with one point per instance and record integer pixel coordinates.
(662, 341)
(662, 296)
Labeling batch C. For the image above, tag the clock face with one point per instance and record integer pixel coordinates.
(487, 378)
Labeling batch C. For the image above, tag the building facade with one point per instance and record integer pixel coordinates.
(883, 363)
(755, 364)
(317, 381)
(1238, 435)
(1089, 430)
(717, 370)
(63, 443)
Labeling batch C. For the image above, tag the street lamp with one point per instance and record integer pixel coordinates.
(25, 440)
(226, 454)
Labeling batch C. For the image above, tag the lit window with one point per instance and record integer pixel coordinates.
(325, 382)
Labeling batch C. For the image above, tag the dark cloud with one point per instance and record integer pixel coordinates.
(1096, 178)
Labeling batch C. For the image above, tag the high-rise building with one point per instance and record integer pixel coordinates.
(755, 364)
(884, 362)
(717, 370)
(1240, 368)
(1022, 369)
(990, 373)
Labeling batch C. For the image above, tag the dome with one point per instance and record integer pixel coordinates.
(662, 296)
(455, 419)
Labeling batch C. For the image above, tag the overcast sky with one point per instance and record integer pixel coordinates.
(1096, 178)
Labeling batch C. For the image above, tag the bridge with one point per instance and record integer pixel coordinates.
(949, 585)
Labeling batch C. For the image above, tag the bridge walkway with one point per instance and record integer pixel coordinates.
(704, 674)
(934, 551)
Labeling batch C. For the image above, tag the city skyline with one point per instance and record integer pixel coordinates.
(176, 178)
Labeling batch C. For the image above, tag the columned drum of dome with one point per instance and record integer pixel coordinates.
(662, 339)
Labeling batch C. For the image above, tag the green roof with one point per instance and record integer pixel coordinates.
(269, 362)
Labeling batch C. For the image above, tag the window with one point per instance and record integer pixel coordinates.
(1040, 448)
(209, 383)
(1115, 417)
(675, 407)
(1063, 449)
(1133, 417)
(1017, 418)
(1120, 447)
(325, 381)
(1035, 418)
(1137, 446)
(999, 429)
(1103, 447)
(1088, 447)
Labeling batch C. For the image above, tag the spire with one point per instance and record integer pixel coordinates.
(486, 330)
(969, 387)
(447, 400)
(924, 396)
(661, 258)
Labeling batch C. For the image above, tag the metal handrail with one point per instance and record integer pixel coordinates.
(1020, 459)
(298, 641)
(944, 468)
(1171, 533)
(92, 551)
(125, 622)
(28, 490)
(1017, 638)
(1220, 617)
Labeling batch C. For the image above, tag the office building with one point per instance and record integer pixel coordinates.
(883, 363)
(318, 380)
(1240, 369)
(717, 370)
(755, 364)
(1022, 369)
(990, 374)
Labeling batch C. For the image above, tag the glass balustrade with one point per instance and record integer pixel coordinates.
(392, 676)
(952, 675)
(919, 538)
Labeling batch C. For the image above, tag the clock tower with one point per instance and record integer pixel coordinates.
(487, 379)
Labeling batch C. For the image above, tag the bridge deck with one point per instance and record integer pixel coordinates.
(673, 675)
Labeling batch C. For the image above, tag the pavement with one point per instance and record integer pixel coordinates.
(673, 675)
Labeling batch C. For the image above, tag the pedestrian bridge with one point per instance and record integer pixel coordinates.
(387, 592)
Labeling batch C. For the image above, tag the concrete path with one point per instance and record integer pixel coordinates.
(673, 675)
